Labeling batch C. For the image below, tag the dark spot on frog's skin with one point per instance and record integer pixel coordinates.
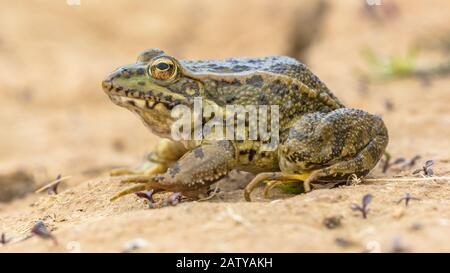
(240, 68)
(277, 87)
(251, 154)
(141, 83)
(221, 68)
(262, 99)
(169, 106)
(198, 153)
(256, 81)
(224, 83)
(132, 103)
(140, 71)
(173, 104)
(230, 98)
(168, 99)
(236, 83)
(119, 88)
(174, 170)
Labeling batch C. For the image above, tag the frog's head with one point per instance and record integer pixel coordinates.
(152, 87)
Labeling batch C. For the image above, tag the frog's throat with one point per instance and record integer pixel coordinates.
(155, 115)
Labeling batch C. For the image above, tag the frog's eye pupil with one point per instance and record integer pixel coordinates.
(162, 66)
(163, 69)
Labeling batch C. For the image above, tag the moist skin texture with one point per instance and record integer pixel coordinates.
(320, 139)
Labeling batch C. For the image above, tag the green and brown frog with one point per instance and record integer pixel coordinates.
(320, 139)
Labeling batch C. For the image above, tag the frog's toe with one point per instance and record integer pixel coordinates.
(133, 189)
(305, 179)
(258, 179)
(144, 183)
(270, 185)
(122, 171)
(277, 179)
(140, 179)
(147, 169)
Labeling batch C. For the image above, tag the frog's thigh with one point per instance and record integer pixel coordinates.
(163, 155)
(361, 164)
(350, 141)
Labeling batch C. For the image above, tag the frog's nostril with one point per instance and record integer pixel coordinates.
(107, 85)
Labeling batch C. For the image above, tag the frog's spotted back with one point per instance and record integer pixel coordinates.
(281, 65)
(239, 65)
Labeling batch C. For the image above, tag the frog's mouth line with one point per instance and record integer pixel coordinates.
(137, 103)
(137, 99)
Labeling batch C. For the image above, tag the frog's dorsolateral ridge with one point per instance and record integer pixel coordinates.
(320, 139)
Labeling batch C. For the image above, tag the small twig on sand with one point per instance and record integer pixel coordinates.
(53, 183)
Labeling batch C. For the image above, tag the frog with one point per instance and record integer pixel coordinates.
(320, 139)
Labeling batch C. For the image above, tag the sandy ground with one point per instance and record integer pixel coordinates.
(55, 119)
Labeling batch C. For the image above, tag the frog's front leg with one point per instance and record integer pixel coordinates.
(327, 145)
(192, 174)
(165, 153)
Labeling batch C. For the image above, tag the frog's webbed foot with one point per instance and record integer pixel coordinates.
(277, 179)
(164, 154)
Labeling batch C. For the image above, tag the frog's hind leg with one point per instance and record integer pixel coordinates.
(165, 153)
(334, 145)
(360, 165)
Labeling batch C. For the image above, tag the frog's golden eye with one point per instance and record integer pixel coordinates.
(163, 69)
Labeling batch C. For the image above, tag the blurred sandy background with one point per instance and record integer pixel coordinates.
(55, 119)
